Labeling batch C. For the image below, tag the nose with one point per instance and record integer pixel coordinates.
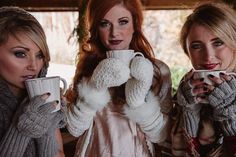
(114, 31)
(209, 53)
(32, 65)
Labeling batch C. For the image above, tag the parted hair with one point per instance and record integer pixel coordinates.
(14, 20)
(93, 51)
(218, 18)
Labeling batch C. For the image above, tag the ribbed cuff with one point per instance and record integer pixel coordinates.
(47, 146)
(14, 143)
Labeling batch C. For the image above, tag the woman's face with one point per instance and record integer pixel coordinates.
(19, 60)
(116, 28)
(207, 51)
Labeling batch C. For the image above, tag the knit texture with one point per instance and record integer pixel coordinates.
(223, 100)
(89, 101)
(149, 118)
(136, 88)
(191, 108)
(47, 145)
(110, 72)
(14, 143)
(36, 118)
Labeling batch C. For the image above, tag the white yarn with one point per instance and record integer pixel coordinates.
(149, 117)
(110, 72)
(137, 88)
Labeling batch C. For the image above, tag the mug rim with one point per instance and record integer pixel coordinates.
(205, 70)
(42, 78)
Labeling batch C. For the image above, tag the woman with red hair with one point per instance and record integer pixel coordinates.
(112, 113)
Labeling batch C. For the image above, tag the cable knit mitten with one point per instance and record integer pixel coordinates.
(223, 100)
(36, 118)
(191, 109)
(136, 88)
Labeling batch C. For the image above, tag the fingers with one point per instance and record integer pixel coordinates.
(45, 96)
(48, 108)
(37, 101)
(188, 75)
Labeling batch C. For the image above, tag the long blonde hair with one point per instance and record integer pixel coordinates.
(217, 17)
(14, 20)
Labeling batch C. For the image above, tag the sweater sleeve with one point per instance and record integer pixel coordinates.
(87, 104)
(12, 142)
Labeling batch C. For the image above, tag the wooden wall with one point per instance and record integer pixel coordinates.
(73, 5)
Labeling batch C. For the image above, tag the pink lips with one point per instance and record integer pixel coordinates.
(115, 42)
(209, 66)
(26, 77)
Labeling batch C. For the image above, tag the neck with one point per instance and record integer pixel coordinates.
(17, 92)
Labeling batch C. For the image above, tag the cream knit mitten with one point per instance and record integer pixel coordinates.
(94, 94)
(143, 106)
(137, 88)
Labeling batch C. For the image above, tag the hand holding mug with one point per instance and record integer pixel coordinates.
(39, 86)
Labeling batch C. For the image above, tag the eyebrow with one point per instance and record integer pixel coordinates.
(27, 49)
(199, 41)
(125, 17)
(215, 39)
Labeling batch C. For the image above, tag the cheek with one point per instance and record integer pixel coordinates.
(9, 67)
(226, 57)
(195, 60)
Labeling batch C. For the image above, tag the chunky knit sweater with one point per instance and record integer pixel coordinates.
(12, 142)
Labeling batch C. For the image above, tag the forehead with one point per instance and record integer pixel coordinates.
(21, 39)
(117, 11)
(200, 32)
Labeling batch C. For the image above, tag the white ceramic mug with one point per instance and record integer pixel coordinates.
(39, 86)
(124, 55)
(205, 73)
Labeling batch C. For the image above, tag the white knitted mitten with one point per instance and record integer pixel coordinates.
(94, 94)
(110, 72)
(136, 89)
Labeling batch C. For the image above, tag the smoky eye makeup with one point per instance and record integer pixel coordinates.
(104, 23)
(218, 42)
(19, 53)
(195, 45)
(40, 55)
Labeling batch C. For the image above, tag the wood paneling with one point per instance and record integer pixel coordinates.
(72, 5)
(43, 5)
(172, 4)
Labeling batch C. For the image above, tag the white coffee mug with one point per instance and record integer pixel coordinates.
(39, 86)
(124, 55)
(205, 73)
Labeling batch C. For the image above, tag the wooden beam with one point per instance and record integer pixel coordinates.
(73, 5)
(43, 5)
(172, 4)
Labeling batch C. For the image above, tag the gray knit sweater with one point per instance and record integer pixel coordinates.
(12, 142)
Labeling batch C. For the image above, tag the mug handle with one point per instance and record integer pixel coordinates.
(64, 85)
(138, 54)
